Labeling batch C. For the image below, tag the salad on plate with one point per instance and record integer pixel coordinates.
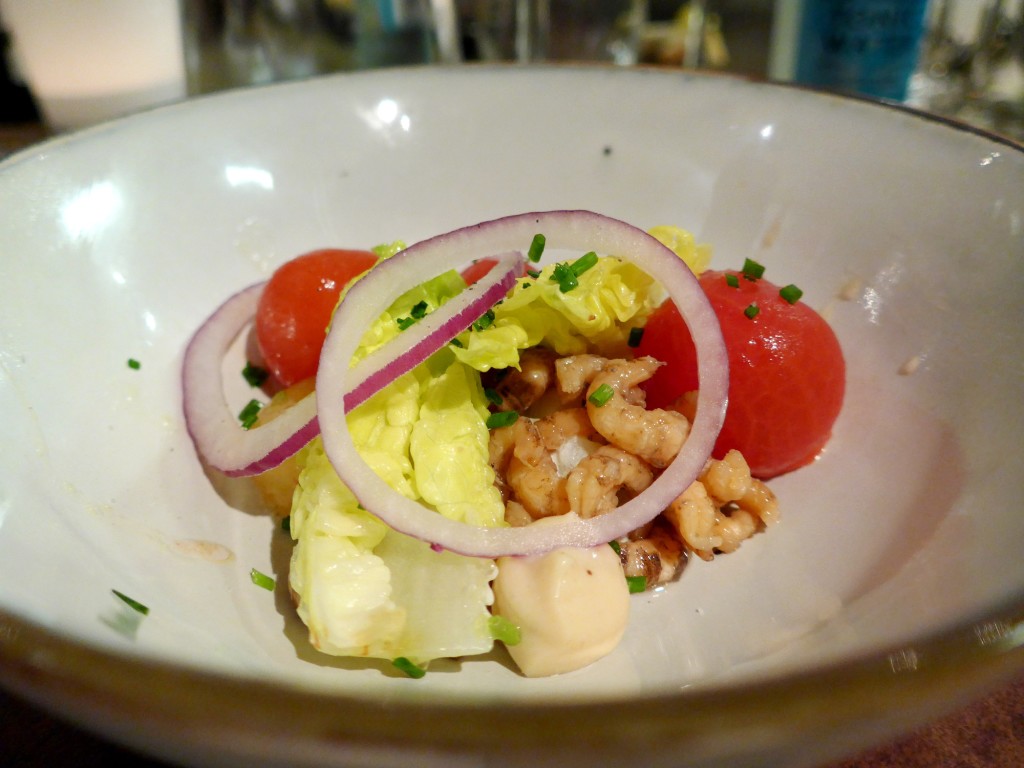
(498, 434)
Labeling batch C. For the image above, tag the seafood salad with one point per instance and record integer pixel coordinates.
(499, 434)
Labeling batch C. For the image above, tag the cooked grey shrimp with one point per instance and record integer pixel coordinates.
(728, 480)
(658, 555)
(654, 435)
(597, 484)
(516, 514)
(564, 424)
(693, 515)
(532, 474)
(520, 388)
(500, 445)
(723, 508)
(575, 372)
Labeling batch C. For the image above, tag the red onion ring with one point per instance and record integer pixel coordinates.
(214, 429)
(575, 230)
(234, 451)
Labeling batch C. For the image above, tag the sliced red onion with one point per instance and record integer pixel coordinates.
(569, 230)
(234, 451)
(213, 427)
(392, 278)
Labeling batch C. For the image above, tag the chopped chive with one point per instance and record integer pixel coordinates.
(286, 524)
(419, 310)
(456, 343)
(134, 364)
(262, 580)
(405, 322)
(536, 248)
(601, 395)
(583, 263)
(414, 671)
(616, 547)
(635, 335)
(636, 584)
(752, 270)
(133, 604)
(492, 396)
(486, 320)
(751, 311)
(533, 273)
(502, 419)
(504, 630)
(732, 281)
(250, 413)
(254, 375)
(791, 293)
(564, 275)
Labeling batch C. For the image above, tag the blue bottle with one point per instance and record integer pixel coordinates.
(869, 47)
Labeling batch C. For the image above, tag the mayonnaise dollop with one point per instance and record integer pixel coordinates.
(571, 607)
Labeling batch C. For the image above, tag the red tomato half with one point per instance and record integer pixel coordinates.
(478, 269)
(296, 308)
(787, 376)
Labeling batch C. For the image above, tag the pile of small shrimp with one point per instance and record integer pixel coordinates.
(573, 452)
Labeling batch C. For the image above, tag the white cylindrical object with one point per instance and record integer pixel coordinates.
(90, 61)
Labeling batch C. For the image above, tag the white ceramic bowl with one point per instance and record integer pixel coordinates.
(892, 590)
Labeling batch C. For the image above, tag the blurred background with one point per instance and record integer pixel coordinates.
(67, 63)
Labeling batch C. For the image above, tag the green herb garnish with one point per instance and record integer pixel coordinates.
(601, 395)
(262, 580)
(504, 630)
(635, 335)
(616, 547)
(286, 524)
(414, 671)
(532, 273)
(583, 263)
(636, 584)
(751, 311)
(502, 419)
(133, 604)
(486, 320)
(456, 343)
(134, 364)
(254, 375)
(752, 270)
(732, 281)
(536, 248)
(565, 277)
(492, 396)
(250, 413)
(791, 293)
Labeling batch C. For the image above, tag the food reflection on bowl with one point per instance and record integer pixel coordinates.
(892, 589)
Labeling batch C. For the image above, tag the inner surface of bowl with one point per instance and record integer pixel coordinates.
(907, 234)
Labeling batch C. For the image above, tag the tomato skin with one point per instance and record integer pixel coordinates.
(787, 375)
(477, 270)
(296, 307)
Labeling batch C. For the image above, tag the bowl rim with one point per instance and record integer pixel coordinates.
(138, 700)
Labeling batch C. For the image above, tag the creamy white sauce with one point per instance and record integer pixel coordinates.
(571, 607)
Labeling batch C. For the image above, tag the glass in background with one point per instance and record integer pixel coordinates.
(233, 43)
(85, 62)
(869, 47)
(553, 30)
(972, 64)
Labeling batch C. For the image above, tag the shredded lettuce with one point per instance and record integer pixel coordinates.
(364, 589)
(596, 315)
(696, 255)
